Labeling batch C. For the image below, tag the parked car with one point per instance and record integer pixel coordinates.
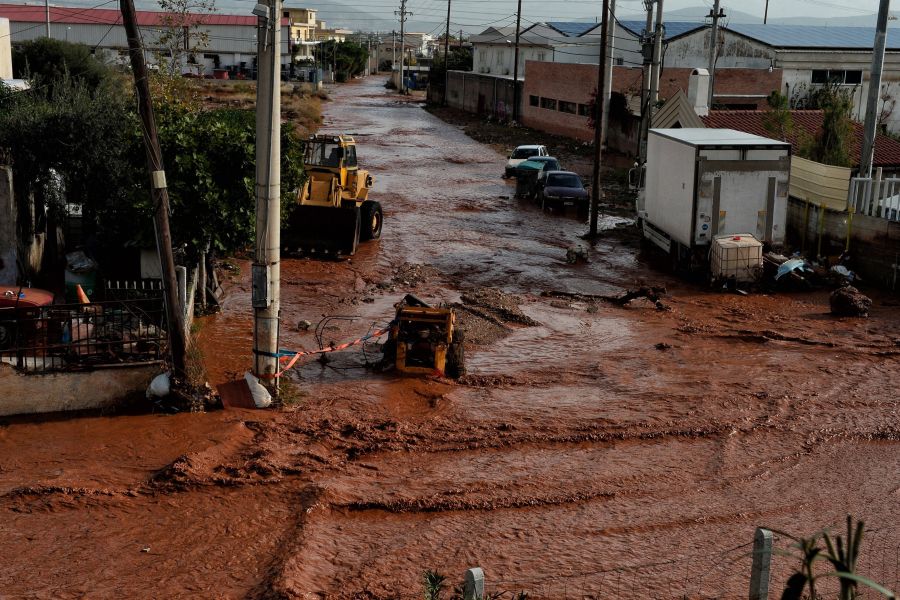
(561, 188)
(520, 155)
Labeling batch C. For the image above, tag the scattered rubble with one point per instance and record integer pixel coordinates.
(849, 302)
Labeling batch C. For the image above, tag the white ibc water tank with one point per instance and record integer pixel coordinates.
(737, 257)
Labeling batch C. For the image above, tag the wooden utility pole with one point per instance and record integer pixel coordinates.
(715, 14)
(766, 14)
(599, 101)
(266, 269)
(447, 57)
(158, 191)
(515, 110)
(868, 147)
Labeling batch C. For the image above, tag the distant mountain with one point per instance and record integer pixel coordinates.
(698, 13)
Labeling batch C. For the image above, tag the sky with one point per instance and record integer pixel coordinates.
(476, 15)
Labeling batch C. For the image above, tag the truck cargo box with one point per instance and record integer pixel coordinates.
(703, 183)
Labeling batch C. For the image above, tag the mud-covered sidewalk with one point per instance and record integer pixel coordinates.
(593, 450)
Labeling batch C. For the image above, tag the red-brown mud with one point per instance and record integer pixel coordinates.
(592, 451)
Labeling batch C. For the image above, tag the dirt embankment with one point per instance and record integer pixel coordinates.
(300, 108)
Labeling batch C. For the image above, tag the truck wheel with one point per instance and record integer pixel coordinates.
(372, 220)
(456, 357)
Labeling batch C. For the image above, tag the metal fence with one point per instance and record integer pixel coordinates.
(875, 197)
(133, 289)
(65, 337)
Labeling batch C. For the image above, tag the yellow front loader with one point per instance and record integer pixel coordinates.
(334, 212)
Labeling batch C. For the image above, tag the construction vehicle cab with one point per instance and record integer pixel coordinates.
(334, 212)
(424, 340)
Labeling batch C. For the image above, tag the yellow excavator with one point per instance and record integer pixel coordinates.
(334, 212)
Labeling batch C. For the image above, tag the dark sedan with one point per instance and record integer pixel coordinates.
(561, 188)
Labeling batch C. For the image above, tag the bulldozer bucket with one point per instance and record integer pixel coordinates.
(321, 231)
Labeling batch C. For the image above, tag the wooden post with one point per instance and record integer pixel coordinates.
(158, 191)
(599, 101)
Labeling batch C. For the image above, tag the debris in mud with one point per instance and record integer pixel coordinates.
(662, 346)
(651, 293)
(483, 381)
(849, 302)
(304, 325)
(505, 307)
(576, 254)
(412, 274)
(486, 314)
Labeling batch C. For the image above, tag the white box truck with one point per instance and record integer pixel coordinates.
(702, 183)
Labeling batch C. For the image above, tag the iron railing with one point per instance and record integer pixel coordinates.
(66, 337)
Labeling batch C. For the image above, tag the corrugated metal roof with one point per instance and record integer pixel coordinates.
(801, 36)
(673, 29)
(30, 13)
(571, 28)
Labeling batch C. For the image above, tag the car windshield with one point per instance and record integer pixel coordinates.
(564, 180)
(524, 152)
(323, 154)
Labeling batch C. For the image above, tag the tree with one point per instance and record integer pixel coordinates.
(832, 145)
(459, 59)
(349, 58)
(778, 120)
(182, 36)
(45, 62)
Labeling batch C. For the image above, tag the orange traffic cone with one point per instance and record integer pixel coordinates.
(82, 297)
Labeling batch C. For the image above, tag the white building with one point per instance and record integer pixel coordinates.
(808, 57)
(232, 38)
(494, 48)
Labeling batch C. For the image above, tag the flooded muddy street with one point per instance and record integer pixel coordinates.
(592, 450)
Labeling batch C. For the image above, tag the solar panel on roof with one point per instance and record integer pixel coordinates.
(672, 28)
(802, 36)
(572, 29)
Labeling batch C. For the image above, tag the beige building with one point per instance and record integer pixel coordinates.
(324, 34)
(5, 50)
(302, 25)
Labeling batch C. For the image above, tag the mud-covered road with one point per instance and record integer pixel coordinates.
(592, 451)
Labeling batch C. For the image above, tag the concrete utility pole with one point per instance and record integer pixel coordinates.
(403, 13)
(598, 117)
(515, 110)
(610, 47)
(158, 191)
(47, 11)
(447, 57)
(647, 52)
(715, 14)
(393, 49)
(766, 14)
(266, 268)
(657, 58)
(868, 147)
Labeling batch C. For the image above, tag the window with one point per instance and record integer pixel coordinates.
(567, 107)
(620, 61)
(548, 103)
(540, 56)
(500, 58)
(534, 100)
(584, 110)
(838, 76)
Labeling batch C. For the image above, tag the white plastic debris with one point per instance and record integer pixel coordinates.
(160, 386)
(261, 396)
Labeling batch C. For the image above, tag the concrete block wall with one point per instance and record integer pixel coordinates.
(874, 242)
(485, 95)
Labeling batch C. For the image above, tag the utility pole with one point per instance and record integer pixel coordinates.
(266, 269)
(598, 117)
(158, 191)
(647, 52)
(715, 14)
(610, 47)
(447, 56)
(403, 13)
(515, 110)
(657, 59)
(47, 11)
(868, 147)
(393, 49)
(766, 14)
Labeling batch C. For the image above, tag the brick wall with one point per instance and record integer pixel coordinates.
(549, 84)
